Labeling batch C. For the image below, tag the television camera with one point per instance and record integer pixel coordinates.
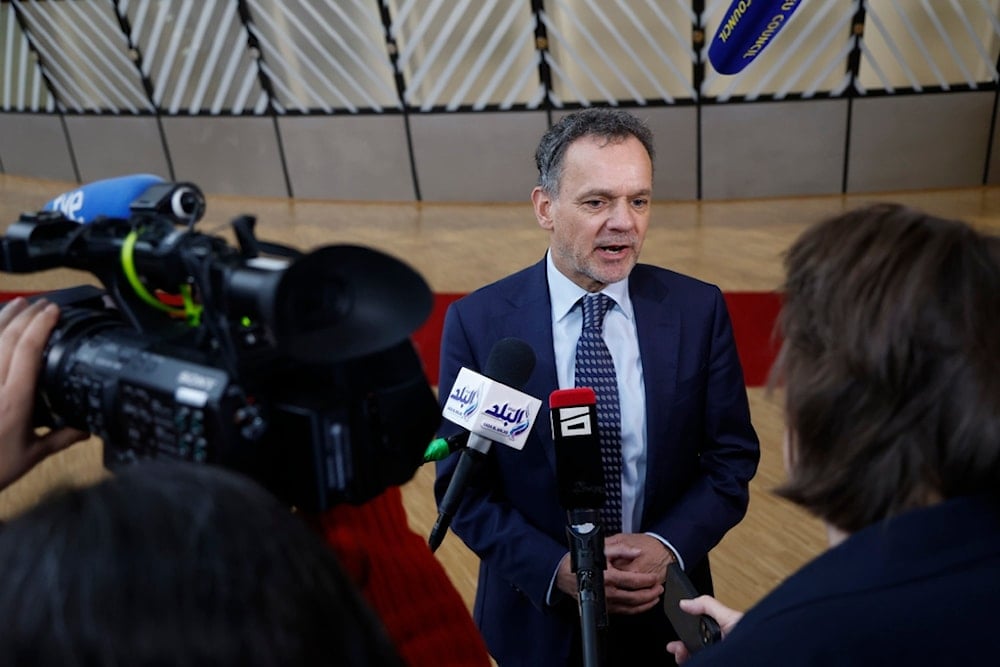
(293, 368)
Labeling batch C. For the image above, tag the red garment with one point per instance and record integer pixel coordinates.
(404, 582)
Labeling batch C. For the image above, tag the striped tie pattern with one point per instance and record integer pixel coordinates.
(596, 369)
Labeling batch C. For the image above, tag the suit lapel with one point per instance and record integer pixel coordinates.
(658, 329)
(527, 314)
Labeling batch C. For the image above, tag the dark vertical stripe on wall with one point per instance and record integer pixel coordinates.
(697, 43)
(40, 63)
(993, 127)
(135, 54)
(542, 45)
(393, 50)
(853, 68)
(265, 83)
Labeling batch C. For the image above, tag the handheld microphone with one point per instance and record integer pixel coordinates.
(442, 448)
(580, 479)
(508, 417)
(747, 28)
(111, 198)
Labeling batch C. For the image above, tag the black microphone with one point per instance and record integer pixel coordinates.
(510, 363)
(580, 479)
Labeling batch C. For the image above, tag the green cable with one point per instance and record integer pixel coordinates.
(191, 310)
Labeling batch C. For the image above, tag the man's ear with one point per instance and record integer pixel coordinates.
(543, 207)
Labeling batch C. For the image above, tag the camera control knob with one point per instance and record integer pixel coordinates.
(250, 422)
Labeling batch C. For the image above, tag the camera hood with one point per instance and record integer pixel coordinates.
(343, 301)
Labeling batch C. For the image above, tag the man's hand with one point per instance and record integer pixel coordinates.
(638, 552)
(633, 580)
(24, 331)
(705, 604)
(566, 579)
(637, 568)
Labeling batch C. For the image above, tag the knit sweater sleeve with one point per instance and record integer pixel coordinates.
(403, 581)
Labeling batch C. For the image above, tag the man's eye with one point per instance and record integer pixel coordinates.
(640, 203)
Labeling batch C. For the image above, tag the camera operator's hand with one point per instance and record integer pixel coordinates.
(24, 330)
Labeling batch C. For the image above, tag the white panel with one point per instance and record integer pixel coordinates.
(773, 149)
(348, 157)
(919, 141)
(477, 157)
(675, 139)
(226, 155)
(35, 145)
(107, 146)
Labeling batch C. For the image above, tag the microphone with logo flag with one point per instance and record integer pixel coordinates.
(747, 27)
(491, 408)
(580, 479)
(110, 198)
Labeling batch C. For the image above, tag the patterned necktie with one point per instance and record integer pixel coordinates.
(596, 369)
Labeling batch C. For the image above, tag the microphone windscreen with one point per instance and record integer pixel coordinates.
(579, 473)
(510, 362)
(110, 198)
(747, 27)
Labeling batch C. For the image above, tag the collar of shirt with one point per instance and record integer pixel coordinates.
(621, 338)
(565, 293)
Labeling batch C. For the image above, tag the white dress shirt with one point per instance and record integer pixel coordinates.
(623, 343)
(622, 339)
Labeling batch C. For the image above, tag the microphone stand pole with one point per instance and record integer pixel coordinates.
(586, 547)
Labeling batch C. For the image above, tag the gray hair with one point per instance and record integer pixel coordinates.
(607, 123)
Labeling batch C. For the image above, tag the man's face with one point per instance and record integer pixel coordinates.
(598, 221)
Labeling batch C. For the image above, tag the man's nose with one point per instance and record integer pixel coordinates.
(621, 215)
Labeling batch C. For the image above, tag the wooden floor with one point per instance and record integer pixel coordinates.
(735, 244)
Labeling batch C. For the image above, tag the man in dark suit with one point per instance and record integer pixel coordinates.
(688, 450)
(890, 362)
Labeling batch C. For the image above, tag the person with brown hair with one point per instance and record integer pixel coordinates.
(178, 564)
(891, 370)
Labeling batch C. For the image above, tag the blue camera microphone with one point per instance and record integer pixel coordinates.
(747, 27)
(111, 198)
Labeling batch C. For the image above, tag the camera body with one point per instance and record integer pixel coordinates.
(295, 369)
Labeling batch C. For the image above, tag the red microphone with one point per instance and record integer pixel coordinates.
(579, 472)
(580, 479)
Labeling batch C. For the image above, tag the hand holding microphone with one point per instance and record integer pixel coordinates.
(493, 409)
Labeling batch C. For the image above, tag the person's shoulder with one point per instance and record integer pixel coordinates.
(673, 281)
(508, 285)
